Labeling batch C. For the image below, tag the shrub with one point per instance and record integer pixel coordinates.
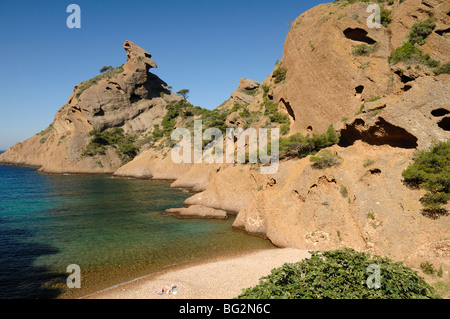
(445, 69)
(340, 274)
(365, 49)
(123, 143)
(420, 31)
(285, 128)
(298, 145)
(427, 268)
(279, 74)
(157, 133)
(344, 191)
(385, 16)
(106, 68)
(406, 53)
(431, 171)
(325, 159)
(236, 107)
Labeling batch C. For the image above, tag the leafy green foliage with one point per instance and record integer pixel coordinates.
(157, 133)
(445, 69)
(408, 52)
(340, 274)
(106, 68)
(123, 143)
(385, 16)
(279, 74)
(420, 31)
(184, 93)
(285, 128)
(427, 268)
(298, 145)
(431, 171)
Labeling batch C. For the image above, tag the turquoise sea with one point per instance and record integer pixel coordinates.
(114, 229)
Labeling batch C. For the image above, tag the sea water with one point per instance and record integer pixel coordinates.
(113, 229)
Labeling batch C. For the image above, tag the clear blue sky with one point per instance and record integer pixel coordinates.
(204, 46)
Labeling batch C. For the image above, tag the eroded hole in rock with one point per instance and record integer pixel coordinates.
(134, 98)
(375, 171)
(380, 133)
(359, 89)
(99, 113)
(358, 34)
(309, 128)
(439, 112)
(445, 124)
(404, 78)
(442, 31)
(407, 87)
(288, 109)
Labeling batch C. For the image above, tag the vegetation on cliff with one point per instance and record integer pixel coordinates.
(341, 274)
(409, 52)
(431, 171)
(124, 144)
(298, 145)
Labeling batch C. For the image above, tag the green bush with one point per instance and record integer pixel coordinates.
(427, 268)
(106, 68)
(340, 274)
(157, 133)
(411, 54)
(123, 143)
(445, 69)
(420, 31)
(298, 145)
(279, 74)
(325, 159)
(385, 16)
(431, 171)
(285, 128)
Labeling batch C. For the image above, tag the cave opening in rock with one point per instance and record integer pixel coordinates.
(359, 89)
(358, 34)
(407, 87)
(445, 124)
(439, 112)
(404, 78)
(379, 133)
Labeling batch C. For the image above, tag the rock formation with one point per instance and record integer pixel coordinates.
(127, 97)
(383, 112)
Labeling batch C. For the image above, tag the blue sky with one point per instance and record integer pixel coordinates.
(204, 46)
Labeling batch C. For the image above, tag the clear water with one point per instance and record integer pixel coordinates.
(113, 229)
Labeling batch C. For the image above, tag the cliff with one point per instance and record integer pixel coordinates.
(384, 101)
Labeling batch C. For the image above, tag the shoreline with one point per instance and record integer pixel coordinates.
(223, 277)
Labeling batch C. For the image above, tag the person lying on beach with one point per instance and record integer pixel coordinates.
(168, 290)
